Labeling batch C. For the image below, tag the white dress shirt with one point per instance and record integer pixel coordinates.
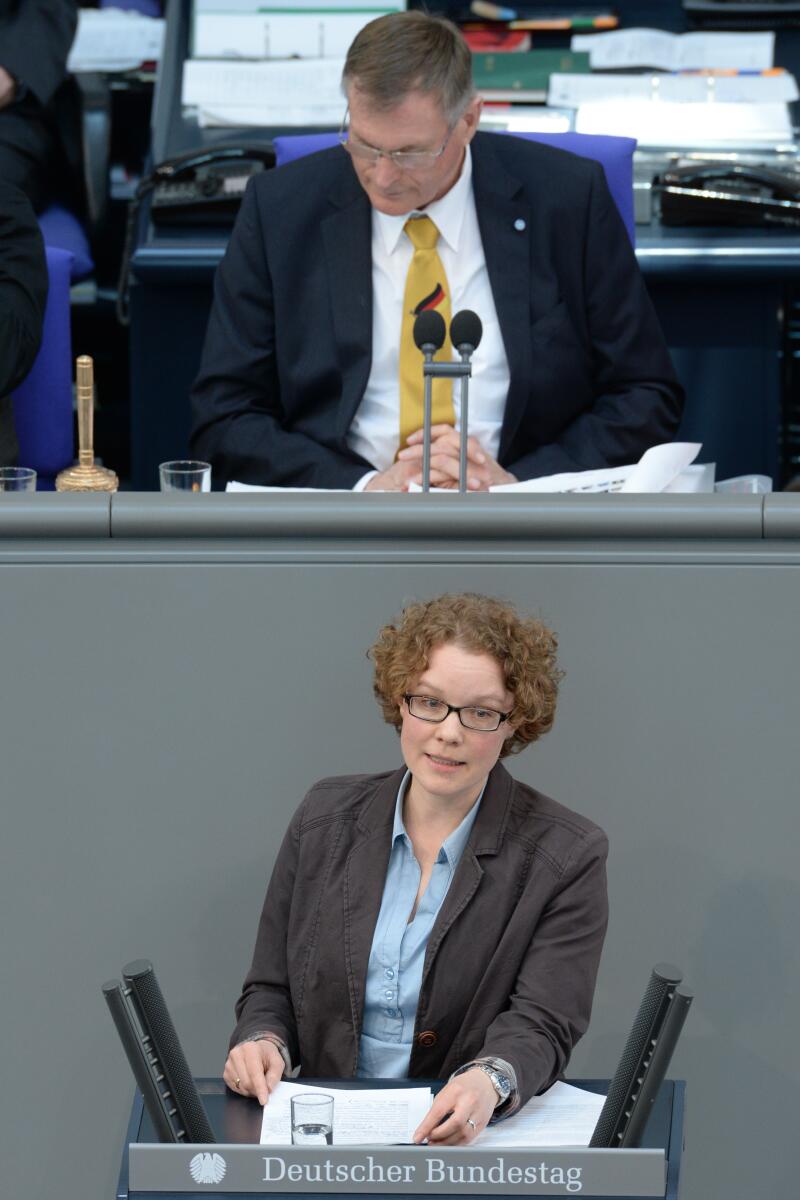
(375, 431)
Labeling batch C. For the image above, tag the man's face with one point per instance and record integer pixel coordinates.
(416, 123)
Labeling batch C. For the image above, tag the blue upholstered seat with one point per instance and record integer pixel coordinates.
(615, 155)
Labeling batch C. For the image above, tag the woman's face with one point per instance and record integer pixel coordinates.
(449, 763)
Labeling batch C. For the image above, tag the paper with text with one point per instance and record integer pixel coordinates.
(563, 1116)
(296, 92)
(115, 40)
(372, 1117)
(570, 91)
(677, 51)
(657, 468)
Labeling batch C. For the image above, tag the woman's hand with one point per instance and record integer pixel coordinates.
(254, 1069)
(460, 1111)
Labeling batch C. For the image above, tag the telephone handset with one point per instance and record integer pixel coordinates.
(729, 193)
(205, 187)
(201, 187)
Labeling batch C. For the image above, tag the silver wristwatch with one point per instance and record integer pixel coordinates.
(501, 1083)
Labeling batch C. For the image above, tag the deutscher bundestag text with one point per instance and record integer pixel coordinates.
(429, 1171)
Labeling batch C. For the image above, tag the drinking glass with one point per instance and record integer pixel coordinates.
(185, 475)
(312, 1119)
(17, 479)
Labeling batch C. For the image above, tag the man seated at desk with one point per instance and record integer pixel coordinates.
(310, 376)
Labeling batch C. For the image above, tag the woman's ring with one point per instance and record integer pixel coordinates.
(472, 1123)
(238, 1082)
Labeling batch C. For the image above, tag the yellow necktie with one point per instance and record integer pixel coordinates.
(426, 287)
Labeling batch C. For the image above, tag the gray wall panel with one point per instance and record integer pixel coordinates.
(160, 723)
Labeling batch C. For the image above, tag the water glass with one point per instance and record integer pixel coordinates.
(312, 1119)
(17, 479)
(185, 475)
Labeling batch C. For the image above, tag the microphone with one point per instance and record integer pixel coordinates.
(429, 334)
(466, 332)
(430, 331)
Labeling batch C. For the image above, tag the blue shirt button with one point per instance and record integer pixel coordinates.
(389, 973)
(388, 995)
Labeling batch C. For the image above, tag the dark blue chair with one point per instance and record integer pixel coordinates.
(43, 401)
(62, 230)
(615, 155)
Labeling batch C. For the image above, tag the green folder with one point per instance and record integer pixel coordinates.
(523, 76)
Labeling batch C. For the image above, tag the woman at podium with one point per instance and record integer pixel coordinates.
(441, 920)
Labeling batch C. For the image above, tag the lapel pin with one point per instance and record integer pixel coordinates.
(519, 224)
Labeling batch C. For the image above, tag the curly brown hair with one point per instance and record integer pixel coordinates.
(524, 647)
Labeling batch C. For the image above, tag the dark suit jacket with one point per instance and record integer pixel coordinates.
(287, 353)
(23, 294)
(35, 37)
(511, 960)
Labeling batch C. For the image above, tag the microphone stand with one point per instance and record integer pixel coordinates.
(444, 370)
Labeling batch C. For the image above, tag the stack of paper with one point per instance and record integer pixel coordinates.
(376, 1117)
(563, 1116)
(298, 92)
(722, 91)
(259, 29)
(111, 39)
(660, 469)
(573, 91)
(625, 48)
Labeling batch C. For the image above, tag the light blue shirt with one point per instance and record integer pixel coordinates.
(394, 972)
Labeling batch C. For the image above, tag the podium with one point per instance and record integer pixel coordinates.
(238, 1165)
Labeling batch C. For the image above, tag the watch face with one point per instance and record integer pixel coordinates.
(502, 1084)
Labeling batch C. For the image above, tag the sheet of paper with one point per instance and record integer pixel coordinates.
(296, 92)
(278, 35)
(363, 1117)
(524, 118)
(570, 91)
(235, 486)
(660, 124)
(563, 1116)
(113, 40)
(698, 477)
(655, 471)
(657, 467)
(677, 51)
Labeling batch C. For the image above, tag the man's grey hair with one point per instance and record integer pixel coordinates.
(407, 52)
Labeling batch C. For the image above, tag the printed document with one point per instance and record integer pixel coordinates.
(571, 91)
(563, 1116)
(115, 40)
(677, 51)
(371, 1117)
(291, 92)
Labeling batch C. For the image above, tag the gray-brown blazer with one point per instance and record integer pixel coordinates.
(512, 958)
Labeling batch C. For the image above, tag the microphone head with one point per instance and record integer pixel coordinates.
(429, 330)
(466, 331)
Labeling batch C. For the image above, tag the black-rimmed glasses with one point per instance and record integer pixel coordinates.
(406, 160)
(484, 720)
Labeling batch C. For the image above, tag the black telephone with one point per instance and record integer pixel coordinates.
(205, 186)
(202, 187)
(729, 193)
